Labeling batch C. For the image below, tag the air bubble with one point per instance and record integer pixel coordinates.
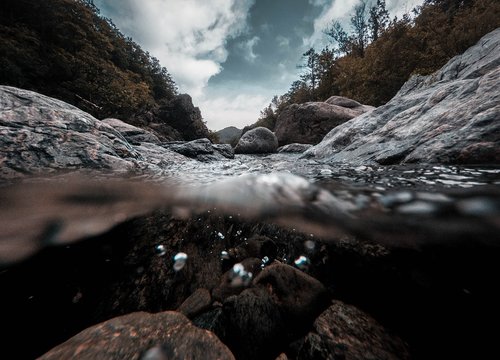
(302, 262)
(160, 250)
(265, 261)
(224, 255)
(220, 235)
(179, 261)
(239, 276)
(309, 245)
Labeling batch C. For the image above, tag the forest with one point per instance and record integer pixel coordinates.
(376, 55)
(66, 49)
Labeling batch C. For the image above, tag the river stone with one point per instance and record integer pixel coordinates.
(310, 122)
(294, 148)
(132, 134)
(40, 135)
(132, 335)
(448, 117)
(282, 304)
(344, 332)
(258, 140)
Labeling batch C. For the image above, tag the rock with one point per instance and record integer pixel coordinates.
(201, 149)
(344, 332)
(132, 134)
(256, 141)
(278, 308)
(196, 303)
(448, 117)
(39, 134)
(229, 134)
(181, 114)
(310, 122)
(128, 337)
(294, 148)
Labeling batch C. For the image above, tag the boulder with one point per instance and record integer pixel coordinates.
(294, 148)
(448, 117)
(132, 134)
(310, 122)
(201, 149)
(344, 332)
(167, 335)
(257, 141)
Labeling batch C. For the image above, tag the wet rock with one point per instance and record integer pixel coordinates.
(133, 335)
(447, 117)
(201, 149)
(132, 134)
(256, 141)
(225, 150)
(196, 303)
(278, 308)
(294, 148)
(310, 122)
(40, 135)
(344, 332)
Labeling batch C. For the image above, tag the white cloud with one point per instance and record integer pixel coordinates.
(248, 48)
(239, 111)
(187, 36)
(283, 41)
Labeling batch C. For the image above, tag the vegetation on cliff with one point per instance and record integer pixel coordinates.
(65, 49)
(371, 62)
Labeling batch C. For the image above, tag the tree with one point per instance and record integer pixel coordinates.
(339, 37)
(378, 20)
(311, 75)
(360, 29)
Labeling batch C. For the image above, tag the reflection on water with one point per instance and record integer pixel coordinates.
(394, 205)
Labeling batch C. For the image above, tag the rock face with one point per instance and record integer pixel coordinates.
(257, 141)
(310, 122)
(39, 134)
(229, 134)
(167, 335)
(345, 332)
(451, 116)
(181, 114)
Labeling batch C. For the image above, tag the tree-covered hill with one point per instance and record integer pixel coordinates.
(371, 59)
(65, 49)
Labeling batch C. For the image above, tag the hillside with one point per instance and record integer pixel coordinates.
(229, 134)
(65, 49)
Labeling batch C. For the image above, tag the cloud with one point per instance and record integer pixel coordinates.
(248, 49)
(239, 111)
(283, 41)
(187, 36)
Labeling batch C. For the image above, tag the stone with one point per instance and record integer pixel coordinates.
(309, 122)
(42, 135)
(294, 148)
(128, 337)
(134, 135)
(196, 303)
(257, 141)
(345, 332)
(279, 307)
(225, 150)
(448, 117)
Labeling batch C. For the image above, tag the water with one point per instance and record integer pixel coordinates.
(394, 205)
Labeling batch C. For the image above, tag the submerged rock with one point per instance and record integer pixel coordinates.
(294, 148)
(257, 141)
(169, 334)
(345, 332)
(451, 116)
(310, 122)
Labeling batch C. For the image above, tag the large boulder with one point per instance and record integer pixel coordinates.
(166, 335)
(451, 116)
(310, 122)
(39, 135)
(257, 141)
(134, 135)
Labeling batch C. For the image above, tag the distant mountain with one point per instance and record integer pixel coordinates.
(229, 134)
(65, 49)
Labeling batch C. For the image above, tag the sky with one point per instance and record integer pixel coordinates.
(232, 56)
